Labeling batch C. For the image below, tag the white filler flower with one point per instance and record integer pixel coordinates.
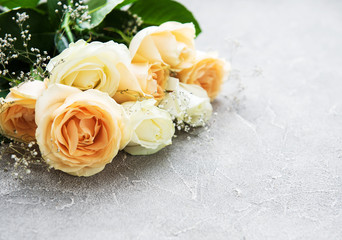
(187, 103)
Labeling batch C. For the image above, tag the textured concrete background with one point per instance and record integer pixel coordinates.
(270, 167)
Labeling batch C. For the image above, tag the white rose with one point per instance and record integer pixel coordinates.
(152, 127)
(187, 103)
(96, 65)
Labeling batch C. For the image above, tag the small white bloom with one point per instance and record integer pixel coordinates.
(152, 127)
(187, 102)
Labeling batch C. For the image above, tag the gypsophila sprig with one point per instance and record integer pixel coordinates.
(21, 157)
(24, 32)
(74, 16)
(8, 53)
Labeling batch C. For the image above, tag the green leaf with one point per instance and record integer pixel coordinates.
(156, 12)
(3, 93)
(125, 3)
(117, 19)
(98, 10)
(11, 4)
(61, 42)
(116, 26)
(4, 87)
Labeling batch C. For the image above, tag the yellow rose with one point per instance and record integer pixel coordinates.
(208, 71)
(152, 127)
(79, 132)
(18, 111)
(171, 43)
(152, 78)
(97, 65)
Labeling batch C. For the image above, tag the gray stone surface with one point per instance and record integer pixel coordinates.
(270, 167)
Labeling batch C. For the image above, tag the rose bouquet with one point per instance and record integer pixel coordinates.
(82, 80)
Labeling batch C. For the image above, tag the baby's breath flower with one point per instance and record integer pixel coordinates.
(8, 52)
(21, 157)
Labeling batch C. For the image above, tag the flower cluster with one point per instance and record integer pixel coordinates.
(101, 98)
(9, 52)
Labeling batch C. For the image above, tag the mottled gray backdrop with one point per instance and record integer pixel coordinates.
(269, 168)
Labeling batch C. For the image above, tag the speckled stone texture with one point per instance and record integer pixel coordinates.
(270, 167)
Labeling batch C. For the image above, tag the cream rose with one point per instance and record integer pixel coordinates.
(97, 65)
(187, 103)
(18, 111)
(171, 43)
(152, 127)
(152, 78)
(79, 132)
(208, 71)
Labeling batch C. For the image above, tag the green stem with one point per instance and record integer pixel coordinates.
(66, 27)
(126, 38)
(7, 79)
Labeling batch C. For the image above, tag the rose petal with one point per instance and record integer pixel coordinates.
(51, 99)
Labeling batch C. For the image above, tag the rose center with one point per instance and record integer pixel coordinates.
(83, 133)
(21, 120)
(86, 76)
(87, 79)
(149, 131)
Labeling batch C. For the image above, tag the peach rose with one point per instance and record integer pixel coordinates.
(80, 132)
(152, 78)
(208, 71)
(95, 65)
(130, 87)
(18, 111)
(171, 43)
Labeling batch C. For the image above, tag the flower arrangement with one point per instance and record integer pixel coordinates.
(83, 80)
